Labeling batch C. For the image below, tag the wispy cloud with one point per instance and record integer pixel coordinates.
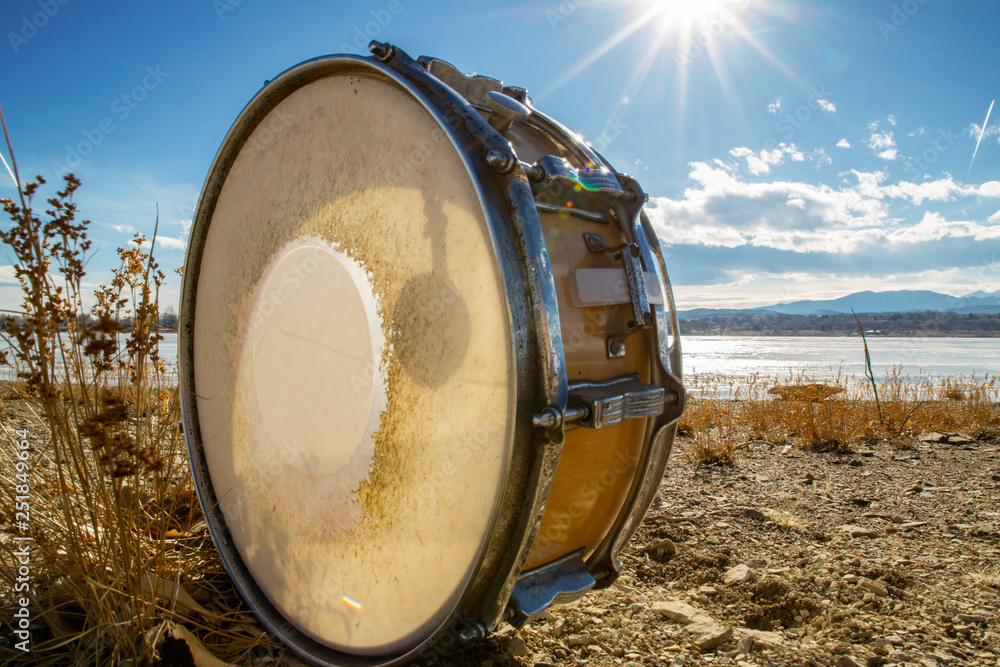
(827, 105)
(760, 162)
(882, 143)
(843, 143)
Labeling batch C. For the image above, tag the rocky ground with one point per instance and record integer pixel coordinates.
(792, 557)
(789, 557)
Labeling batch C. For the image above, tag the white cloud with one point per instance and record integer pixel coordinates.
(171, 244)
(721, 210)
(761, 162)
(975, 129)
(821, 158)
(995, 218)
(7, 276)
(843, 143)
(124, 229)
(892, 119)
(775, 106)
(167, 243)
(882, 143)
(827, 105)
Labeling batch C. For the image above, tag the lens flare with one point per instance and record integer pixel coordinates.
(351, 602)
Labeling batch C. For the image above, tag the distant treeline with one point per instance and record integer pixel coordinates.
(926, 323)
(168, 320)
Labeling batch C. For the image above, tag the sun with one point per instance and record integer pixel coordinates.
(689, 14)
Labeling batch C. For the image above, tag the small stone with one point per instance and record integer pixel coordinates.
(973, 619)
(858, 531)
(757, 563)
(745, 646)
(516, 647)
(848, 661)
(676, 611)
(662, 548)
(873, 587)
(996, 477)
(741, 574)
(934, 436)
(710, 640)
(912, 524)
(557, 628)
(581, 639)
(960, 439)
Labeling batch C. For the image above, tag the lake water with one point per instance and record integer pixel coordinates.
(815, 357)
(824, 357)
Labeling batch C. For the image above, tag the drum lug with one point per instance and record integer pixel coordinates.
(557, 185)
(559, 582)
(603, 404)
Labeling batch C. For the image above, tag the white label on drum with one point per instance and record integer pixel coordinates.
(609, 287)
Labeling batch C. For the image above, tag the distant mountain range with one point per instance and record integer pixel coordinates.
(901, 301)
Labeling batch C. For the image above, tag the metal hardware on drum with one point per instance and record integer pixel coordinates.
(418, 441)
(505, 111)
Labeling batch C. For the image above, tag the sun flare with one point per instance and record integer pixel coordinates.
(688, 13)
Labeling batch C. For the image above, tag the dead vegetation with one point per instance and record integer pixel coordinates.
(104, 554)
(840, 415)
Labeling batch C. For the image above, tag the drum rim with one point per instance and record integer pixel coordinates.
(538, 378)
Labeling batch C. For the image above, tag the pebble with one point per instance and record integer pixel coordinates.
(848, 661)
(873, 587)
(516, 647)
(710, 640)
(581, 639)
(741, 574)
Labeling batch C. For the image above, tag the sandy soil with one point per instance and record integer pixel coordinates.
(792, 557)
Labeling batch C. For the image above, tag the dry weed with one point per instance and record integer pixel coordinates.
(103, 544)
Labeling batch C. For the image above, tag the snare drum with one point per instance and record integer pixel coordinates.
(429, 358)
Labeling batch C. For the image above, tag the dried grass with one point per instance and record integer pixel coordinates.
(97, 483)
(753, 411)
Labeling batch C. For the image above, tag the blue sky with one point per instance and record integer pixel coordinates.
(791, 149)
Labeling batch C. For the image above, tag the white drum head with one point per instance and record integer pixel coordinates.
(352, 364)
